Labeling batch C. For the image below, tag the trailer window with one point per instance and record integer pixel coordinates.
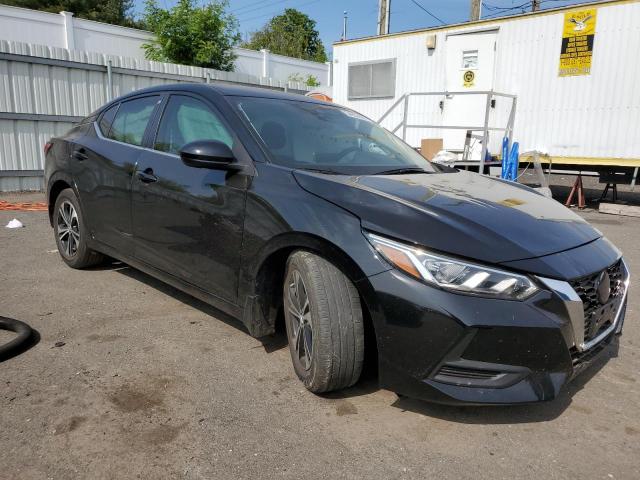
(372, 79)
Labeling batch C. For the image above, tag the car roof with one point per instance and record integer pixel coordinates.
(224, 89)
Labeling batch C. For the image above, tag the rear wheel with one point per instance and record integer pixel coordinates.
(71, 233)
(324, 323)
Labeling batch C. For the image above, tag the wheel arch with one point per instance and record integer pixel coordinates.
(57, 183)
(266, 274)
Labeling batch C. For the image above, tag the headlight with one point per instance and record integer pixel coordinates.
(454, 275)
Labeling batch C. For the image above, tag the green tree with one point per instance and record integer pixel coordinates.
(115, 12)
(310, 80)
(202, 36)
(292, 34)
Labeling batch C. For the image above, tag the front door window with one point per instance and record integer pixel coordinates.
(186, 120)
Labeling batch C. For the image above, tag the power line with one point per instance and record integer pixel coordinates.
(249, 5)
(428, 12)
(523, 7)
(274, 12)
(505, 10)
(270, 4)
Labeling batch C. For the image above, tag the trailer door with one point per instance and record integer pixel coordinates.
(470, 67)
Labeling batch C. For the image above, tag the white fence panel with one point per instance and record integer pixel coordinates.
(43, 90)
(73, 38)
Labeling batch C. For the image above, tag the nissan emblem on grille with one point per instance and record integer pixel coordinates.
(603, 287)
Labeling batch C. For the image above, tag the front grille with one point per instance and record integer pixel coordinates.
(598, 317)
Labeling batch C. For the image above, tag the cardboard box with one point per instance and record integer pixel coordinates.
(429, 147)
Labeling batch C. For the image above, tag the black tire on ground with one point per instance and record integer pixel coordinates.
(17, 344)
(332, 322)
(78, 254)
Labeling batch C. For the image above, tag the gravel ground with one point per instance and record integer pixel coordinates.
(147, 382)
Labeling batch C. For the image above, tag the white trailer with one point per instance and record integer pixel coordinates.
(575, 73)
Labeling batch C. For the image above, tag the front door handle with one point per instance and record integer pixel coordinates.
(80, 154)
(147, 176)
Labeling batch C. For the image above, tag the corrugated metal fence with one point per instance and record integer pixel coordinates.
(44, 90)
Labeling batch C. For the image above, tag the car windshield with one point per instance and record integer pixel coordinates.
(329, 139)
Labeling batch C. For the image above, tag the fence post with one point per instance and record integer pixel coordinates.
(109, 81)
(69, 38)
(265, 62)
(329, 73)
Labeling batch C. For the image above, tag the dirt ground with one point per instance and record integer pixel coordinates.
(146, 382)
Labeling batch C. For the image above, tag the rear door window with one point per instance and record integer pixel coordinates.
(131, 120)
(185, 120)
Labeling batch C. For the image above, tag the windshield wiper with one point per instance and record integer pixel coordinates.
(320, 170)
(399, 171)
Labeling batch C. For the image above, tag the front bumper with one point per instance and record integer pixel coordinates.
(460, 349)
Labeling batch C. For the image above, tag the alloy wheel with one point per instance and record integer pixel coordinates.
(300, 320)
(68, 229)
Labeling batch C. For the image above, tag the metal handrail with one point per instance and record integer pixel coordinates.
(391, 108)
(508, 129)
(463, 92)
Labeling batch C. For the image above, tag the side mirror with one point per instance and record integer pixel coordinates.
(208, 154)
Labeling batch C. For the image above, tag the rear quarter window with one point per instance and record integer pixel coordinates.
(107, 119)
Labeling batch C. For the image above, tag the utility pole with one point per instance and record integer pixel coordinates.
(476, 6)
(384, 11)
(344, 26)
(535, 5)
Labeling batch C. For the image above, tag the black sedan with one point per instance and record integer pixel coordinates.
(276, 207)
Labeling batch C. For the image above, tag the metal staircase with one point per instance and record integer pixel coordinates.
(405, 100)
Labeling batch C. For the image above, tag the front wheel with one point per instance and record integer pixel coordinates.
(324, 323)
(71, 232)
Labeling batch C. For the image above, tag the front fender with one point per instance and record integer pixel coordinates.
(282, 217)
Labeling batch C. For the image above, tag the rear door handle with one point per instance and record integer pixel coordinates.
(147, 176)
(80, 154)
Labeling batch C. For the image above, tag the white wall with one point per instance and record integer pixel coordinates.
(42, 28)
(44, 90)
(101, 37)
(592, 116)
(31, 26)
(49, 29)
(249, 62)
(284, 67)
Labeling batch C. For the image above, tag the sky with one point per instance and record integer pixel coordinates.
(363, 14)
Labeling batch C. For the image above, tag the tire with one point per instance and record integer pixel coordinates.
(72, 246)
(331, 328)
(18, 344)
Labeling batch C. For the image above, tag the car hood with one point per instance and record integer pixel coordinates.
(458, 212)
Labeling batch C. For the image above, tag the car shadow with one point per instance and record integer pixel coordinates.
(167, 289)
(270, 343)
(365, 386)
(275, 342)
(368, 383)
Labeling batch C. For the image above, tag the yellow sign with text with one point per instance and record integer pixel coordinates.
(578, 34)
